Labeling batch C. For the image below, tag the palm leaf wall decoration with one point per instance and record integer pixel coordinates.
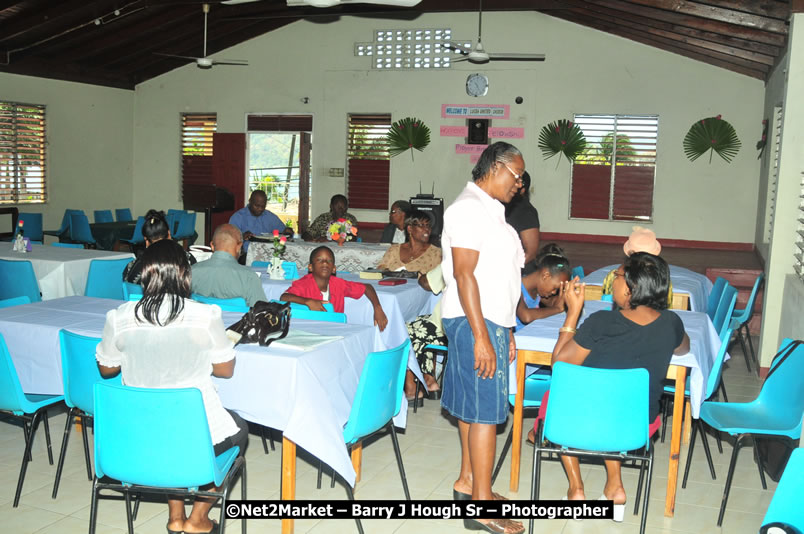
(562, 137)
(711, 133)
(407, 134)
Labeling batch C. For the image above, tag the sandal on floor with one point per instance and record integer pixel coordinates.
(214, 530)
(419, 402)
(495, 526)
(461, 496)
(434, 394)
(619, 509)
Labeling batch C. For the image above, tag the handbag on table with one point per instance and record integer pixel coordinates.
(264, 323)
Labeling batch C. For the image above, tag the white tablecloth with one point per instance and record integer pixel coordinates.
(696, 285)
(542, 335)
(401, 304)
(60, 271)
(351, 257)
(306, 395)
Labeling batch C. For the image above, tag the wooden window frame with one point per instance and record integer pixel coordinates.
(368, 163)
(23, 145)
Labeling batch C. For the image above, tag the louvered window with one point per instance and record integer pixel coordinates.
(613, 178)
(369, 162)
(774, 178)
(22, 154)
(196, 147)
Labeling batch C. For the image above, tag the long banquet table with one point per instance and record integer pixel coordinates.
(60, 271)
(351, 257)
(540, 336)
(307, 395)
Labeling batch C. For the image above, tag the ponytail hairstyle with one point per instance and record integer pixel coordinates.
(552, 258)
(155, 226)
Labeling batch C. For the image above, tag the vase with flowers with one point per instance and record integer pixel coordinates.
(341, 231)
(275, 270)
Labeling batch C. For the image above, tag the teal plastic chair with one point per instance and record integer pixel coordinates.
(186, 228)
(15, 301)
(79, 371)
(132, 291)
(300, 311)
(65, 223)
(136, 237)
(237, 304)
(785, 512)
(140, 448)
(173, 221)
(377, 400)
(740, 320)
(714, 296)
(104, 279)
(32, 226)
(103, 216)
(722, 318)
(123, 215)
(775, 414)
(17, 279)
(27, 409)
(291, 270)
(68, 245)
(620, 423)
(80, 231)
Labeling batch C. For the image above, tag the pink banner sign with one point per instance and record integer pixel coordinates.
(454, 131)
(490, 111)
(507, 133)
(474, 157)
(469, 149)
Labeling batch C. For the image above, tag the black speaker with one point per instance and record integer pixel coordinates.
(435, 208)
(478, 131)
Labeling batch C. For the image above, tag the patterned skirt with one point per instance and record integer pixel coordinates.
(424, 332)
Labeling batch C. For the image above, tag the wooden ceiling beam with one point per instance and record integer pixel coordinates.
(766, 8)
(697, 23)
(700, 43)
(747, 68)
(724, 40)
(730, 16)
(59, 19)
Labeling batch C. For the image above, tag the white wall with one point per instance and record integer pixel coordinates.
(89, 144)
(586, 72)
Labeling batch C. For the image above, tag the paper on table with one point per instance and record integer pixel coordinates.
(301, 340)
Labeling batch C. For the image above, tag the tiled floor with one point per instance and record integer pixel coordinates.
(431, 454)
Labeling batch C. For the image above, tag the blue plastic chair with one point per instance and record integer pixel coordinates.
(104, 279)
(26, 408)
(17, 279)
(714, 296)
(123, 215)
(377, 400)
(620, 422)
(15, 301)
(785, 510)
(291, 270)
(237, 304)
(79, 371)
(577, 271)
(32, 226)
(186, 228)
(65, 223)
(80, 231)
(132, 291)
(774, 414)
(136, 237)
(300, 311)
(725, 308)
(740, 319)
(261, 264)
(173, 221)
(68, 245)
(104, 216)
(141, 449)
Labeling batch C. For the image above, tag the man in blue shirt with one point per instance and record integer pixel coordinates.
(254, 219)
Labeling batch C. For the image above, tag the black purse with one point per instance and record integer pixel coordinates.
(263, 323)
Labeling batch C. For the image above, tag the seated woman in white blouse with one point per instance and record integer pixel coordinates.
(167, 340)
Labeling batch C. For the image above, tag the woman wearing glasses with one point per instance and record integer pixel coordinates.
(394, 231)
(481, 268)
(416, 254)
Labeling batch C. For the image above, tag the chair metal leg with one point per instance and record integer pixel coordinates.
(399, 460)
(320, 470)
(706, 449)
(84, 423)
(723, 390)
(745, 350)
(689, 455)
(352, 498)
(65, 438)
(93, 507)
(751, 346)
(759, 465)
(264, 439)
(536, 480)
(644, 521)
(26, 430)
(332, 477)
(25, 458)
(665, 406)
(47, 437)
(137, 501)
(129, 518)
(719, 442)
(732, 465)
(243, 493)
(416, 395)
(503, 452)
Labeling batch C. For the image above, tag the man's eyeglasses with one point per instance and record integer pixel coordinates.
(518, 177)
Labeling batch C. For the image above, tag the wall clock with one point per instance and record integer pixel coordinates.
(477, 85)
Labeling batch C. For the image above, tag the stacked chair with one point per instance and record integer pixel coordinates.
(103, 216)
(123, 215)
(740, 320)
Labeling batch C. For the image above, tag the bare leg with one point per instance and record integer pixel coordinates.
(199, 517)
(614, 489)
(464, 482)
(410, 385)
(573, 469)
(430, 380)
(176, 515)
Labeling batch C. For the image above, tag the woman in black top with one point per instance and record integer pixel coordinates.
(639, 333)
(521, 214)
(394, 231)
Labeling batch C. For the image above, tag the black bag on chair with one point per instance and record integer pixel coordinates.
(263, 323)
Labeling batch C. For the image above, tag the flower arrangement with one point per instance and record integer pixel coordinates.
(279, 244)
(341, 230)
(711, 134)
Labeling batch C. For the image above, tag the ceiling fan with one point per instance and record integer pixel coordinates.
(331, 3)
(207, 62)
(479, 55)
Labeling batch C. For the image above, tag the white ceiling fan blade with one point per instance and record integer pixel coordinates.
(194, 58)
(464, 58)
(520, 57)
(240, 62)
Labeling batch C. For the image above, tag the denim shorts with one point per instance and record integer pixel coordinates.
(465, 395)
